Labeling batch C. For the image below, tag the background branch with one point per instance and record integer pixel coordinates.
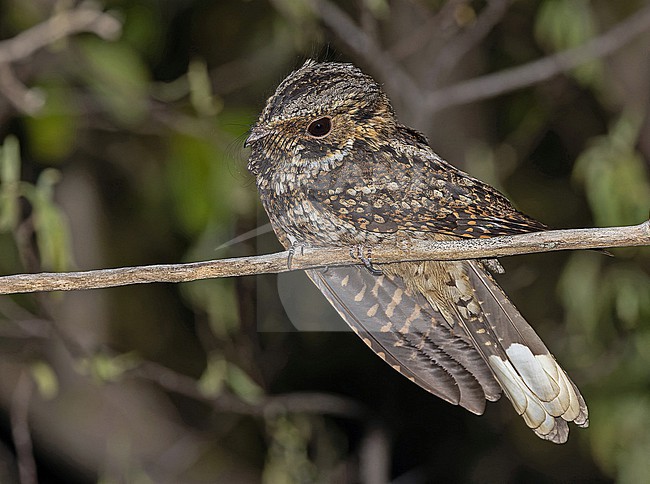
(508, 80)
(22, 98)
(454, 51)
(85, 18)
(20, 429)
(423, 99)
(359, 42)
(269, 405)
(553, 240)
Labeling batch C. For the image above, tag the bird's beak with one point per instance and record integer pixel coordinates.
(257, 133)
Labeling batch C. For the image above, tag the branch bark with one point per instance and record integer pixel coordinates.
(427, 101)
(269, 405)
(19, 416)
(453, 52)
(312, 257)
(507, 80)
(399, 81)
(85, 18)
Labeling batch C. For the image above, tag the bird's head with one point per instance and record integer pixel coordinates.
(317, 116)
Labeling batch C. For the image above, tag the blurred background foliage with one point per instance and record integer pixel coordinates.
(122, 144)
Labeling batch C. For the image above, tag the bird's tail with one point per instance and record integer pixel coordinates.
(539, 389)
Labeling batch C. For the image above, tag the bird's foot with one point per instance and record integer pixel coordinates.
(296, 247)
(493, 265)
(364, 254)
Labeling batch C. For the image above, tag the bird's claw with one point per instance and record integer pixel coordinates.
(493, 265)
(364, 254)
(292, 252)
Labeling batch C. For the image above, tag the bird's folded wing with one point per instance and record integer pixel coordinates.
(412, 337)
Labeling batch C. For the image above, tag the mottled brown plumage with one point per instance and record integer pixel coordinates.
(334, 167)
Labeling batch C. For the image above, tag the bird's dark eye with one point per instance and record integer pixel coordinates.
(320, 127)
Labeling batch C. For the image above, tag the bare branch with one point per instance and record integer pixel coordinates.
(443, 26)
(455, 50)
(369, 50)
(427, 101)
(25, 100)
(85, 18)
(415, 40)
(311, 257)
(20, 429)
(374, 455)
(304, 402)
(508, 80)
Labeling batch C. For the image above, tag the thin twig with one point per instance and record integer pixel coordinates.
(442, 25)
(85, 18)
(414, 41)
(508, 80)
(312, 257)
(374, 455)
(20, 429)
(359, 42)
(25, 100)
(454, 51)
(269, 405)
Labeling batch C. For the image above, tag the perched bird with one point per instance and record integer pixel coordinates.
(334, 167)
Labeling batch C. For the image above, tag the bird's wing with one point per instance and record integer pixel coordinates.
(418, 192)
(406, 332)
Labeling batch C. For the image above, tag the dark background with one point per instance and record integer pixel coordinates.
(129, 151)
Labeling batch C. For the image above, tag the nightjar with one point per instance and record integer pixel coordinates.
(334, 167)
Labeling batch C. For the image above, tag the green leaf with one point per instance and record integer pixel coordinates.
(220, 372)
(142, 29)
(628, 286)
(200, 85)
(9, 183)
(379, 8)
(563, 24)
(288, 458)
(50, 224)
(243, 385)
(46, 380)
(108, 368)
(213, 378)
(615, 176)
(297, 11)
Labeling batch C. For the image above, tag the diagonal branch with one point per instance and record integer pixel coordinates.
(363, 45)
(508, 80)
(415, 40)
(85, 18)
(311, 257)
(25, 100)
(456, 49)
(422, 100)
